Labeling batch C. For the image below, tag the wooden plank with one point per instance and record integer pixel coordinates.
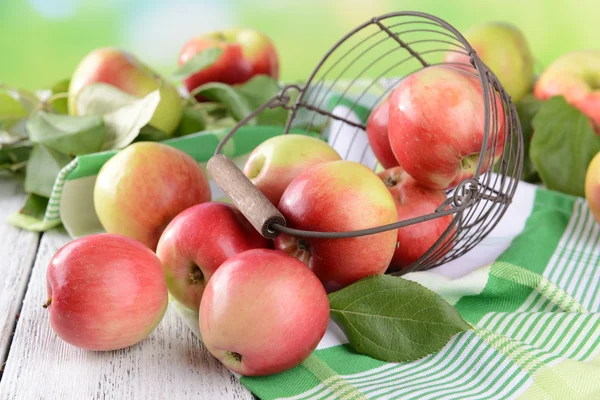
(17, 252)
(170, 363)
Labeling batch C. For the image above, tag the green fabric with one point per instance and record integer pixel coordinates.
(536, 336)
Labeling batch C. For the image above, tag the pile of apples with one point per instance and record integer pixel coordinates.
(262, 304)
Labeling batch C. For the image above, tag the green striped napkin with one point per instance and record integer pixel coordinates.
(530, 289)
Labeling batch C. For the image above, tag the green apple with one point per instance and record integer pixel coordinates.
(144, 186)
(124, 71)
(277, 161)
(504, 49)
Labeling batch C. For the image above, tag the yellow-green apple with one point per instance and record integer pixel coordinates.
(576, 77)
(246, 53)
(339, 196)
(436, 126)
(504, 49)
(274, 163)
(105, 292)
(413, 200)
(124, 71)
(197, 241)
(263, 312)
(592, 186)
(144, 186)
(377, 132)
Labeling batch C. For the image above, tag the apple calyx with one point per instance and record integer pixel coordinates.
(47, 303)
(235, 355)
(470, 162)
(196, 275)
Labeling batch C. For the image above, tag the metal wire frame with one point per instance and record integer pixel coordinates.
(478, 203)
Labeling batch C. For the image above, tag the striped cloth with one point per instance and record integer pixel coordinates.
(534, 307)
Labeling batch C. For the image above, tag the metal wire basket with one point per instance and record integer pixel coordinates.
(365, 66)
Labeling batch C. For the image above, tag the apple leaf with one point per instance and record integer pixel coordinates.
(14, 157)
(564, 143)
(149, 133)
(32, 215)
(257, 91)
(42, 169)
(193, 120)
(124, 115)
(71, 135)
(393, 319)
(58, 99)
(102, 98)
(222, 93)
(527, 108)
(197, 62)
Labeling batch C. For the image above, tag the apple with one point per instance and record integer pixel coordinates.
(339, 196)
(263, 312)
(274, 163)
(124, 71)
(377, 132)
(592, 186)
(144, 186)
(576, 77)
(436, 126)
(197, 241)
(105, 292)
(504, 49)
(413, 200)
(246, 53)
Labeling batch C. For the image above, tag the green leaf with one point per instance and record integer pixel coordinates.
(124, 115)
(198, 62)
(32, 215)
(235, 102)
(72, 135)
(527, 108)
(393, 319)
(11, 107)
(257, 91)
(59, 97)
(149, 133)
(193, 120)
(564, 143)
(42, 169)
(14, 157)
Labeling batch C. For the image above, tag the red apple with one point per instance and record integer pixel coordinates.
(105, 292)
(436, 126)
(124, 71)
(197, 242)
(413, 200)
(263, 312)
(576, 77)
(275, 163)
(144, 186)
(339, 196)
(377, 132)
(246, 53)
(592, 186)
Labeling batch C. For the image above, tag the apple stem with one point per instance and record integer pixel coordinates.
(391, 182)
(47, 303)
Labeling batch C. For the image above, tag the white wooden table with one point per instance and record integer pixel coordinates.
(36, 364)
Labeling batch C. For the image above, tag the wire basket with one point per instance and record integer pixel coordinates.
(357, 73)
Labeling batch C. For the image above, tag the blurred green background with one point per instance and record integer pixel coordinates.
(41, 41)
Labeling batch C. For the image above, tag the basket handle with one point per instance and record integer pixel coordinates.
(257, 209)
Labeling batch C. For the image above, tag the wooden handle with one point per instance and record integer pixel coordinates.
(245, 196)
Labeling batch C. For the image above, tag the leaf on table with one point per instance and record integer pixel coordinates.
(43, 168)
(258, 90)
(225, 94)
(197, 62)
(149, 133)
(71, 135)
(393, 319)
(59, 96)
(32, 215)
(14, 157)
(564, 143)
(124, 125)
